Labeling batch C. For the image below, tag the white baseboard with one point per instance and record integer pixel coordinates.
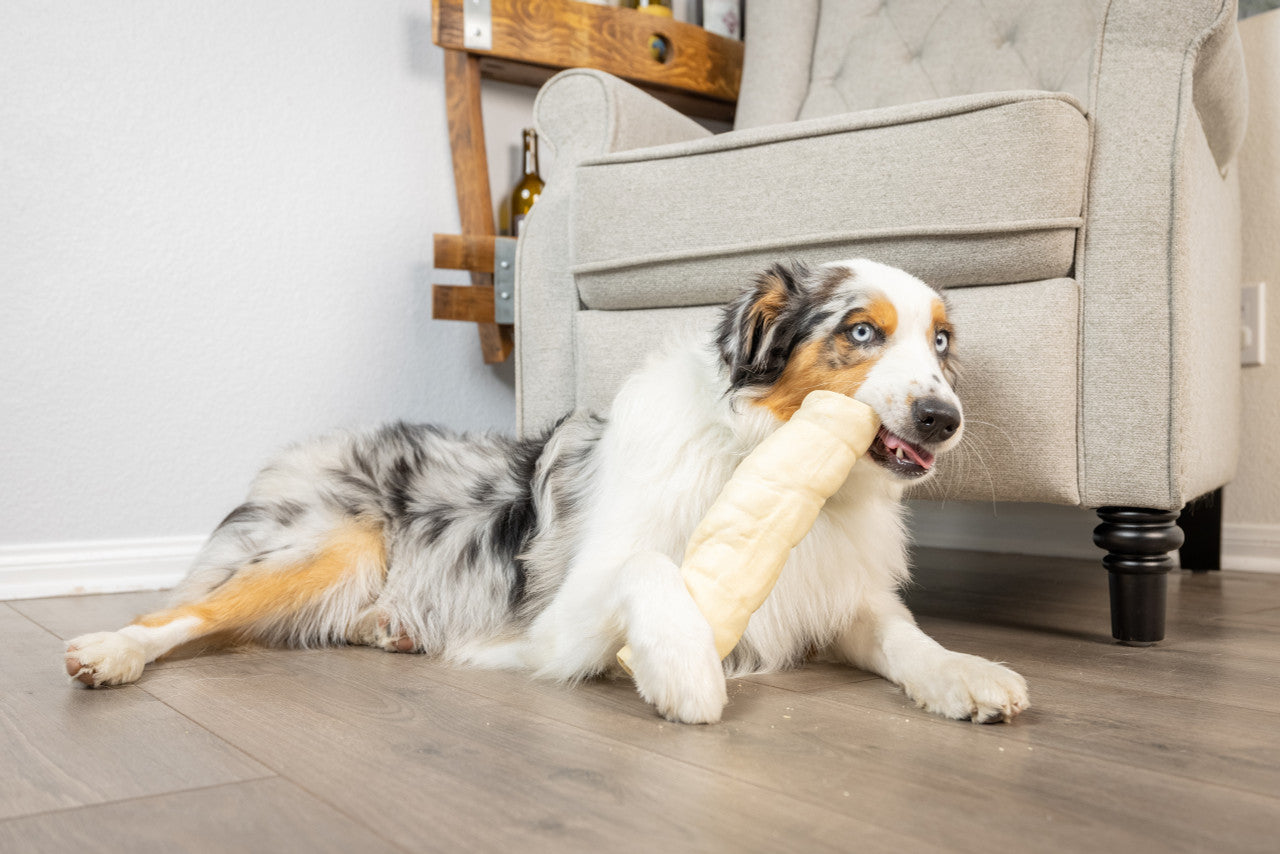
(94, 566)
(1251, 546)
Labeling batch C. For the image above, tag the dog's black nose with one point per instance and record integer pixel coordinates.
(936, 420)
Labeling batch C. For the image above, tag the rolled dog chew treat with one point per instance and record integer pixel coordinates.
(772, 500)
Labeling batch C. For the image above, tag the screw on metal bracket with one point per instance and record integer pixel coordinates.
(477, 25)
(504, 279)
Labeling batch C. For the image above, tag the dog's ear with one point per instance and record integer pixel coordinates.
(753, 337)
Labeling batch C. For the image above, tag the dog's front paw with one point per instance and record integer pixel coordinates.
(685, 686)
(685, 694)
(104, 658)
(966, 687)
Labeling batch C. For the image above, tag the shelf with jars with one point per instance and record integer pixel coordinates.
(527, 41)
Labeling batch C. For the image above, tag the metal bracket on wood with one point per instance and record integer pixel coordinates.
(477, 25)
(494, 258)
(504, 280)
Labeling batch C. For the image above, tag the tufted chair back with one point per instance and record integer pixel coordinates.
(877, 53)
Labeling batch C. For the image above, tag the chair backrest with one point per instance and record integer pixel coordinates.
(810, 58)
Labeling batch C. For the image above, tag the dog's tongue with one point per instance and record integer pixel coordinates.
(920, 457)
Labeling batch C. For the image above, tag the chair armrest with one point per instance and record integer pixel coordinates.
(583, 113)
(1199, 36)
(579, 113)
(1159, 256)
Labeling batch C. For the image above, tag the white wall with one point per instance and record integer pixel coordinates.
(1254, 497)
(215, 238)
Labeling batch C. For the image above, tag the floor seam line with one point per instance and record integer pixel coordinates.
(117, 801)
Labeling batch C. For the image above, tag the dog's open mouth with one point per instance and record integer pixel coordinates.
(900, 456)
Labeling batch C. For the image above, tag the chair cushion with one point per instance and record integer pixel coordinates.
(1019, 355)
(1018, 348)
(974, 190)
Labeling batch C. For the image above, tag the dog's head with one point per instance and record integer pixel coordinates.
(860, 328)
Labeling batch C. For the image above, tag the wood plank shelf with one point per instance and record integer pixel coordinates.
(529, 41)
(533, 39)
(476, 254)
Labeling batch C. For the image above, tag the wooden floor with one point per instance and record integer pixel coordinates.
(1170, 748)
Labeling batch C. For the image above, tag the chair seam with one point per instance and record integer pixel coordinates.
(648, 155)
(962, 230)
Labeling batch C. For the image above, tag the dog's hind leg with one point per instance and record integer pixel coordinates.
(296, 597)
(674, 659)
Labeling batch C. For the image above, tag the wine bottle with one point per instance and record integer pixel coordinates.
(529, 187)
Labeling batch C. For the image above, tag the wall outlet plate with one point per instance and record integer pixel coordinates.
(1253, 324)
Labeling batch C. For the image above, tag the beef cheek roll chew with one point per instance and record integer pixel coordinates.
(772, 500)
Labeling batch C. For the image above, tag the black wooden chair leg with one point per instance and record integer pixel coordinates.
(1201, 522)
(1138, 543)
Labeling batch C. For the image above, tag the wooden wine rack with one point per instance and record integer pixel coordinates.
(526, 42)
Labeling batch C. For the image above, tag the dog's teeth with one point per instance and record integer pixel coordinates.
(902, 454)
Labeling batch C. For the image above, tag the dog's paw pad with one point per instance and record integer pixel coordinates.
(104, 658)
(76, 669)
(392, 638)
(401, 643)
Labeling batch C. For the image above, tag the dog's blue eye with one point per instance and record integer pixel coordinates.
(862, 333)
(941, 340)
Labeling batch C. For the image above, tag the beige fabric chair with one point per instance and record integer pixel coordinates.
(1064, 167)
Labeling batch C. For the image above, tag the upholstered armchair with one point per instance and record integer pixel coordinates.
(1065, 169)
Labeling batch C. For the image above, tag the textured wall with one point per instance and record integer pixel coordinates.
(1254, 496)
(215, 238)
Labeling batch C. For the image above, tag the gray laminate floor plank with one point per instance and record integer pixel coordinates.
(1192, 738)
(410, 754)
(260, 815)
(1234, 671)
(1222, 676)
(863, 749)
(814, 676)
(1171, 748)
(1208, 612)
(64, 746)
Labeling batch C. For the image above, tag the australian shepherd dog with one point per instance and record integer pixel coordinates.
(548, 553)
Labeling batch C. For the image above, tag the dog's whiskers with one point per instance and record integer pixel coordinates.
(1003, 432)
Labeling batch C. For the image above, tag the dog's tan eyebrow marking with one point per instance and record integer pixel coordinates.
(879, 312)
(939, 312)
(941, 323)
